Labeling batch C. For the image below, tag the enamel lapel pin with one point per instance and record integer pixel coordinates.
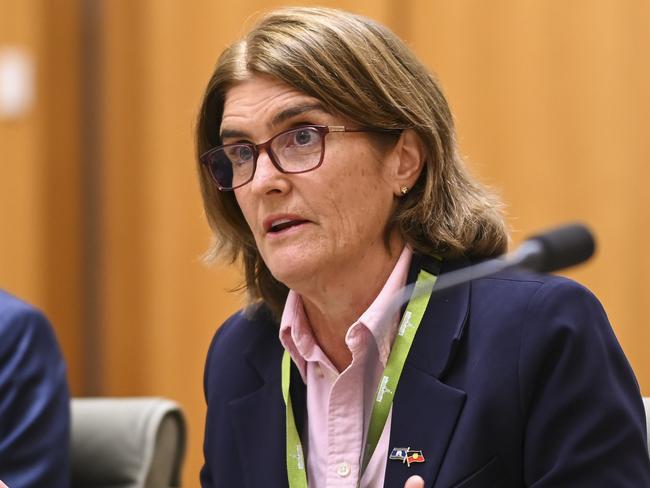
(406, 455)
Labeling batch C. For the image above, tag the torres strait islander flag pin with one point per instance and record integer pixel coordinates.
(406, 455)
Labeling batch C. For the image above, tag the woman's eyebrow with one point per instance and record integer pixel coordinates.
(233, 133)
(291, 112)
(277, 119)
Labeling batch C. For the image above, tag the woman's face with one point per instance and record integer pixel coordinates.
(310, 226)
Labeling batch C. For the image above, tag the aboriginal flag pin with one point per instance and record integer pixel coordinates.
(406, 455)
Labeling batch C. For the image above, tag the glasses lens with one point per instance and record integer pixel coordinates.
(298, 150)
(231, 166)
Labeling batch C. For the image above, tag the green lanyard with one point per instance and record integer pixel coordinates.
(296, 470)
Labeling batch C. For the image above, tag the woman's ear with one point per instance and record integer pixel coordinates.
(410, 154)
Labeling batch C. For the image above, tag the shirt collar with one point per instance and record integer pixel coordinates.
(374, 317)
(295, 331)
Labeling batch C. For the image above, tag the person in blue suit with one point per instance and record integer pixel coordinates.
(34, 400)
(329, 168)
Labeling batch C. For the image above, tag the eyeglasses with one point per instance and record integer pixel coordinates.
(296, 150)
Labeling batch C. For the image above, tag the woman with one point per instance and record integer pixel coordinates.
(328, 165)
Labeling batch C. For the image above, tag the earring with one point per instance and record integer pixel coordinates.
(404, 190)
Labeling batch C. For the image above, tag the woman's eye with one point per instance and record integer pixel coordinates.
(245, 153)
(304, 137)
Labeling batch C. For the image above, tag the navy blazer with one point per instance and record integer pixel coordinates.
(34, 400)
(515, 380)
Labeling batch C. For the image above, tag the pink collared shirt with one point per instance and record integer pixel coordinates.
(339, 404)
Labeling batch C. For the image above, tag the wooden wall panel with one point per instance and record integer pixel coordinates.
(20, 249)
(59, 157)
(40, 174)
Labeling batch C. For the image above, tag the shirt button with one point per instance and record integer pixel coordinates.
(343, 470)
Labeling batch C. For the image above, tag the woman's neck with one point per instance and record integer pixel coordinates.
(336, 302)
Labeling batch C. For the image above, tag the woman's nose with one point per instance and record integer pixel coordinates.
(268, 178)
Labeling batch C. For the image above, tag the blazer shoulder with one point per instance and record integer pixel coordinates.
(243, 343)
(539, 311)
(536, 286)
(21, 322)
(518, 275)
(243, 328)
(15, 311)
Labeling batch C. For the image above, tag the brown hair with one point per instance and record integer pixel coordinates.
(361, 70)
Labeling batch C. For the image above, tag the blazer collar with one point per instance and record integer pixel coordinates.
(258, 416)
(425, 409)
(444, 320)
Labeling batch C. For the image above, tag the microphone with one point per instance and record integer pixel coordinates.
(553, 250)
(556, 249)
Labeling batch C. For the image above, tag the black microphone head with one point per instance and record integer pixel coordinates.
(563, 247)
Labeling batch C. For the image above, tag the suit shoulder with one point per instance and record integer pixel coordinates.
(239, 354)
(536, 285)
(549, 311)
(240, 331)
(523, 283)
(13, 309)
(21, 321)
(517, 275)
(245, 325)
(538, 306)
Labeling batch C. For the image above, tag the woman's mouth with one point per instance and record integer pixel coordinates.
(276, 226)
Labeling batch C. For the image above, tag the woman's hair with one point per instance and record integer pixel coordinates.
(361, 70)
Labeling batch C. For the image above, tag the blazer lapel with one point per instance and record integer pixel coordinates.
(258, 419)
(425, 412)
(425, 409)
(260, 435)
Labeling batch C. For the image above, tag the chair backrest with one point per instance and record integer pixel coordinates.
(646, 404)
(126, 443)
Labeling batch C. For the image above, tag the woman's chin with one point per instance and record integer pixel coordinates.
(293, 271)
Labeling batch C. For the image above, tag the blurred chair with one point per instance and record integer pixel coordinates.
(126, 443)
